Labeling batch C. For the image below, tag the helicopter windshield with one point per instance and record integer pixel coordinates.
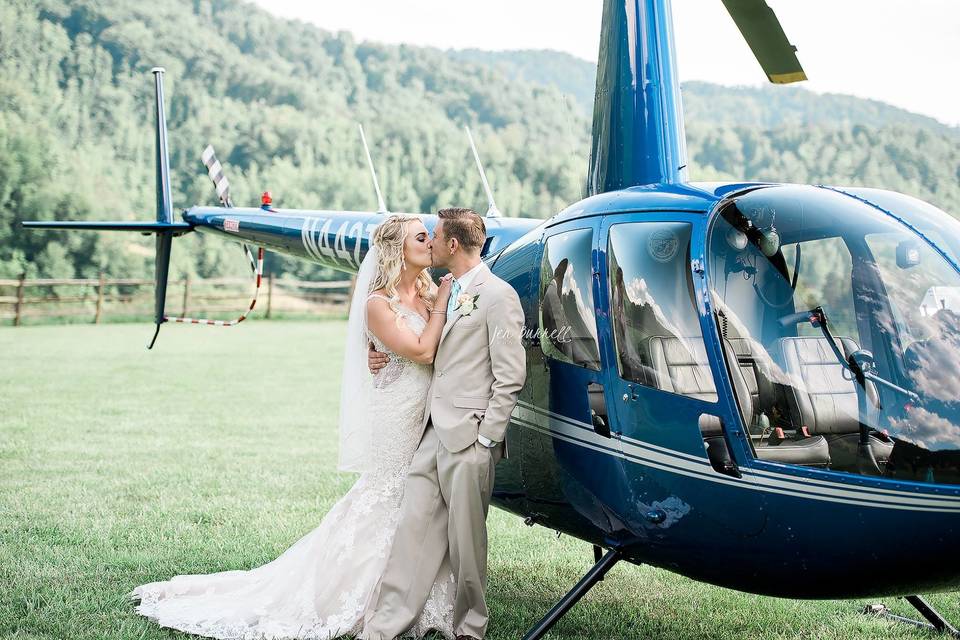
(841, 330)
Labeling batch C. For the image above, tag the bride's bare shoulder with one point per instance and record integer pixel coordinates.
(379, 296)
(378, 303)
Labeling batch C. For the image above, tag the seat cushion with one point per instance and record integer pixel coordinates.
(844, 448)
(808, 452)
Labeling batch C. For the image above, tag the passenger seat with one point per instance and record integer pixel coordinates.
(827, 402)
(682, 366)
(749, 375)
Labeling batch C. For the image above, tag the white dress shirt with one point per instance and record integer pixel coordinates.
(465, 280)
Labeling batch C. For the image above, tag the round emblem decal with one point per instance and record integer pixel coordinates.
(663, 245)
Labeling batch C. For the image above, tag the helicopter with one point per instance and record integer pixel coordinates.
(749, 384)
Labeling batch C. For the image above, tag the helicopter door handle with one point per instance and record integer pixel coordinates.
(598, 409)
(600, 424)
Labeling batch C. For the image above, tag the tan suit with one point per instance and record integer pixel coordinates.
(478, 372)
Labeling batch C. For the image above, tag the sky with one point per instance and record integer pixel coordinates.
(903, 52)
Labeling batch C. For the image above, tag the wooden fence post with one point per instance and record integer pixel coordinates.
(325, 294)
(186, 295)
(269, 294)
(100, 287)
(19, 306)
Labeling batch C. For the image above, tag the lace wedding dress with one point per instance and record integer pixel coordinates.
(318, 589)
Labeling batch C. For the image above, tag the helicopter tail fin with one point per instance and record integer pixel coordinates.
(164, 227)
(164, 209)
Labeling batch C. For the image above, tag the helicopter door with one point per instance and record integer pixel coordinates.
(658, 372)
(571, 462)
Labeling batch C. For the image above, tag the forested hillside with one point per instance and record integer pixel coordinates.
(280, 101)
(780, 134)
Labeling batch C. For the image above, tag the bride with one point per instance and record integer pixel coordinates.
(319, 587)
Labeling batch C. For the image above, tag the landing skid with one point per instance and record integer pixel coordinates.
(595, 575)
(935, 621)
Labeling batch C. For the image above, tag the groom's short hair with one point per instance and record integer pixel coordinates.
(465, 225)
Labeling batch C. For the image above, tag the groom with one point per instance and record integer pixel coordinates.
(478, 372)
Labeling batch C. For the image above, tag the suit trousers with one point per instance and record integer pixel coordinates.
(442, 519)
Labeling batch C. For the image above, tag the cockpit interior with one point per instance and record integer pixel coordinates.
(840, 326)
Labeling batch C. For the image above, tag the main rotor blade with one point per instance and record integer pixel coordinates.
(762, 31)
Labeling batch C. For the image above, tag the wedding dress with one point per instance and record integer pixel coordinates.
(319, 588)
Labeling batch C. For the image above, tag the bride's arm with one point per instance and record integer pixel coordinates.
(381, 320)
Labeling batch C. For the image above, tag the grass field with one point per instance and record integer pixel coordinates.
(217, 450)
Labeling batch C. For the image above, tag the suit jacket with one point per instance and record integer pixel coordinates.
(479, 368)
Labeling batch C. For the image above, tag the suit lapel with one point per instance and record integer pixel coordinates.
(473, 289)
(448, 326)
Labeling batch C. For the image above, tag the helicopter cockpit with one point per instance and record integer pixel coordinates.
(840, 325)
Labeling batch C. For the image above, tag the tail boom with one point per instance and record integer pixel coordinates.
(335, 239)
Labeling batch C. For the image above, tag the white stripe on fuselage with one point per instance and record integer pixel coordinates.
(685, 464)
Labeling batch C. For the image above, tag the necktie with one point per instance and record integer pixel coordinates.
(454, 292)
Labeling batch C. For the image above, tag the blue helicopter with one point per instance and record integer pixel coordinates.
(752, 385)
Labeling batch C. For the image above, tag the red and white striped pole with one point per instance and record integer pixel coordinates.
(258, 269)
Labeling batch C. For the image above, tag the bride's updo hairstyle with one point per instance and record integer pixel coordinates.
(389, 239)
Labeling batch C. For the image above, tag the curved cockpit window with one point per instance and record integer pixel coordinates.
(841, 329)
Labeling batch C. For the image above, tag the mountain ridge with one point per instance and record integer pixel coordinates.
(785, 104)
(280, 100)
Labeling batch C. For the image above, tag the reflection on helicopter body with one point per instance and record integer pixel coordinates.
(565, 316)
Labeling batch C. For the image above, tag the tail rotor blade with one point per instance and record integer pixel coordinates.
(215, 171)
(763, 32)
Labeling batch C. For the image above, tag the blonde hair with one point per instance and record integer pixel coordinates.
(389, 239)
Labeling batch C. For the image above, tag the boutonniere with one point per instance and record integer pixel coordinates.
(466, 303)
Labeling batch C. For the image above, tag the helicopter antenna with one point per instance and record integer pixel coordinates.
(492, 210)
(381, 205)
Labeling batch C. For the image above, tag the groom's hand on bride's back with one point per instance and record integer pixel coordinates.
(375, 359)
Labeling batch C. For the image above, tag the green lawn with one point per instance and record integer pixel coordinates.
(216, 450)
